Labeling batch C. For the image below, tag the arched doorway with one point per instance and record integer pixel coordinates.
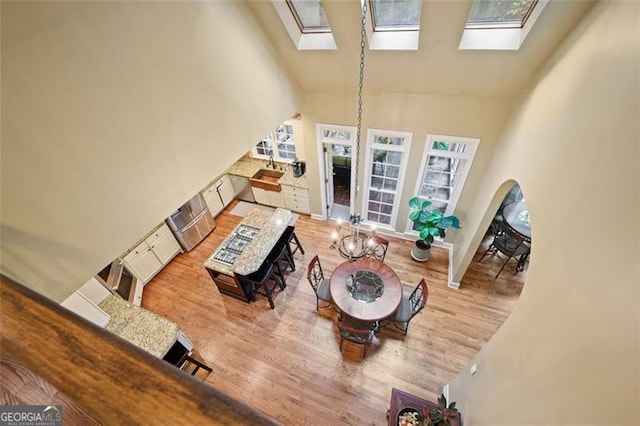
(502, 257)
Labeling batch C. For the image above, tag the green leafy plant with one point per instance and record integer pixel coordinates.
(442, 414)
(429, 222)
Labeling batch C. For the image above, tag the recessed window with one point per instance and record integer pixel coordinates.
(309, 15)
(500, 24)
(499, 13)
(393, 24)
(306, 23)
(395, 15)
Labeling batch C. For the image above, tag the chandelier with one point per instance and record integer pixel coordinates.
(351, 241)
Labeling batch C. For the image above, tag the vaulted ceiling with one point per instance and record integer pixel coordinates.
(437, 67)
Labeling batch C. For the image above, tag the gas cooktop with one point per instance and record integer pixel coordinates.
(233, 247)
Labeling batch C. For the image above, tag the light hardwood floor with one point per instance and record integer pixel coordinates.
(286, 362)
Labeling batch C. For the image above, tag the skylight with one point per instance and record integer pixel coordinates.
(499, 13)
(309, 15)
(395, 15)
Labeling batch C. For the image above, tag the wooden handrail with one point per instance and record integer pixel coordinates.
(113, 380)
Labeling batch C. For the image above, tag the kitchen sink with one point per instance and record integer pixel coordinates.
(266, 179)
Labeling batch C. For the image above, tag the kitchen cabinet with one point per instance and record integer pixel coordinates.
(81, 305)
(225, 190)
(268, 198)
(152, 254)
(219, 195)
(296, 199)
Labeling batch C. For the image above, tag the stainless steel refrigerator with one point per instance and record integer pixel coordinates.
(192, 222)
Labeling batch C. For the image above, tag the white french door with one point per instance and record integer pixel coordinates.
(332, 138)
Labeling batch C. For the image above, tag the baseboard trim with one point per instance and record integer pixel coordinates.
(318, 217)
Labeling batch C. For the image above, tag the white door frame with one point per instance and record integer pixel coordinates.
(406, 152)
(323, 141)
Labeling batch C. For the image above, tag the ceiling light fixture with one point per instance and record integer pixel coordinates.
(351, 242)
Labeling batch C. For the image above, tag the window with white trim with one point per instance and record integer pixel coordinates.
(386, 164)
(280, 144)
(445, 164)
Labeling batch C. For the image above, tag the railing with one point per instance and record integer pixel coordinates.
(114, 381)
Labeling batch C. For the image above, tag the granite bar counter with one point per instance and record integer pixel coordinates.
(270, 226)
(143, 328)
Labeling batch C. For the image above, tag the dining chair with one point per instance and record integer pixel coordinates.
(510, 244)
(378, 248)
(319, 283)
(410, 306)
(360, 336)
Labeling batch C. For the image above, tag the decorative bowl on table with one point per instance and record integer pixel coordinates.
(409, 416)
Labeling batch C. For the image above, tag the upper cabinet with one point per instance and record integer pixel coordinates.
(152, 254)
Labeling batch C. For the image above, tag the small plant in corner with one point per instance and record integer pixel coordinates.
(430, 223)
(441, 415)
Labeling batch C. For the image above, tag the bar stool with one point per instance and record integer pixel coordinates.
(290, 238)
(188, 359)
(260, 282)
(281, 260)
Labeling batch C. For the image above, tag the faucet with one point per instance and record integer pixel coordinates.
(273, 163)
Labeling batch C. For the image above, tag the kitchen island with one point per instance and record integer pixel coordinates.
(244, 251)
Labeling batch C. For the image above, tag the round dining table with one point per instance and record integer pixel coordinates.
(365, 289)
(516, 217)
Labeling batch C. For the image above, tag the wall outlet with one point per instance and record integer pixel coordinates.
(473, 369)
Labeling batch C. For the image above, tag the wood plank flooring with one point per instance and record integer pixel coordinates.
(286, 362)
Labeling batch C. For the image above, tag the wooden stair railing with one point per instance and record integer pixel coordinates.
(111, 379)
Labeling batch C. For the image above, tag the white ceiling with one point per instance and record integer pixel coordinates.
(437, 67)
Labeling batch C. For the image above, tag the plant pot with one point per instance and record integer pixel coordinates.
(421, 251)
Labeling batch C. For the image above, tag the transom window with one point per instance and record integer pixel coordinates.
(280, 144)
(309, 15)
(499, 13)
(446, 161)
(386, 163)
(395, 15)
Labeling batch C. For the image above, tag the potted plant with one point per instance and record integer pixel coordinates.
(430, 223)
(441, 415)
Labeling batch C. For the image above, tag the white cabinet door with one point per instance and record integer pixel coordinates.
(143, 263)
(94, 291)
(276, 199)
(82, 306)
(261, 196)
(226, 190)
(165, 247)
(213, 201)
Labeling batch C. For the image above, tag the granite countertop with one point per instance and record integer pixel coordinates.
(143, 328)
(271, 225)
(248, 166)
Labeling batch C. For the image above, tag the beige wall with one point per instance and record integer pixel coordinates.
(420, 114)
(569, 352)
(113, 114)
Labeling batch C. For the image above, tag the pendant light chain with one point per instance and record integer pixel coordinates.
(363, 38)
